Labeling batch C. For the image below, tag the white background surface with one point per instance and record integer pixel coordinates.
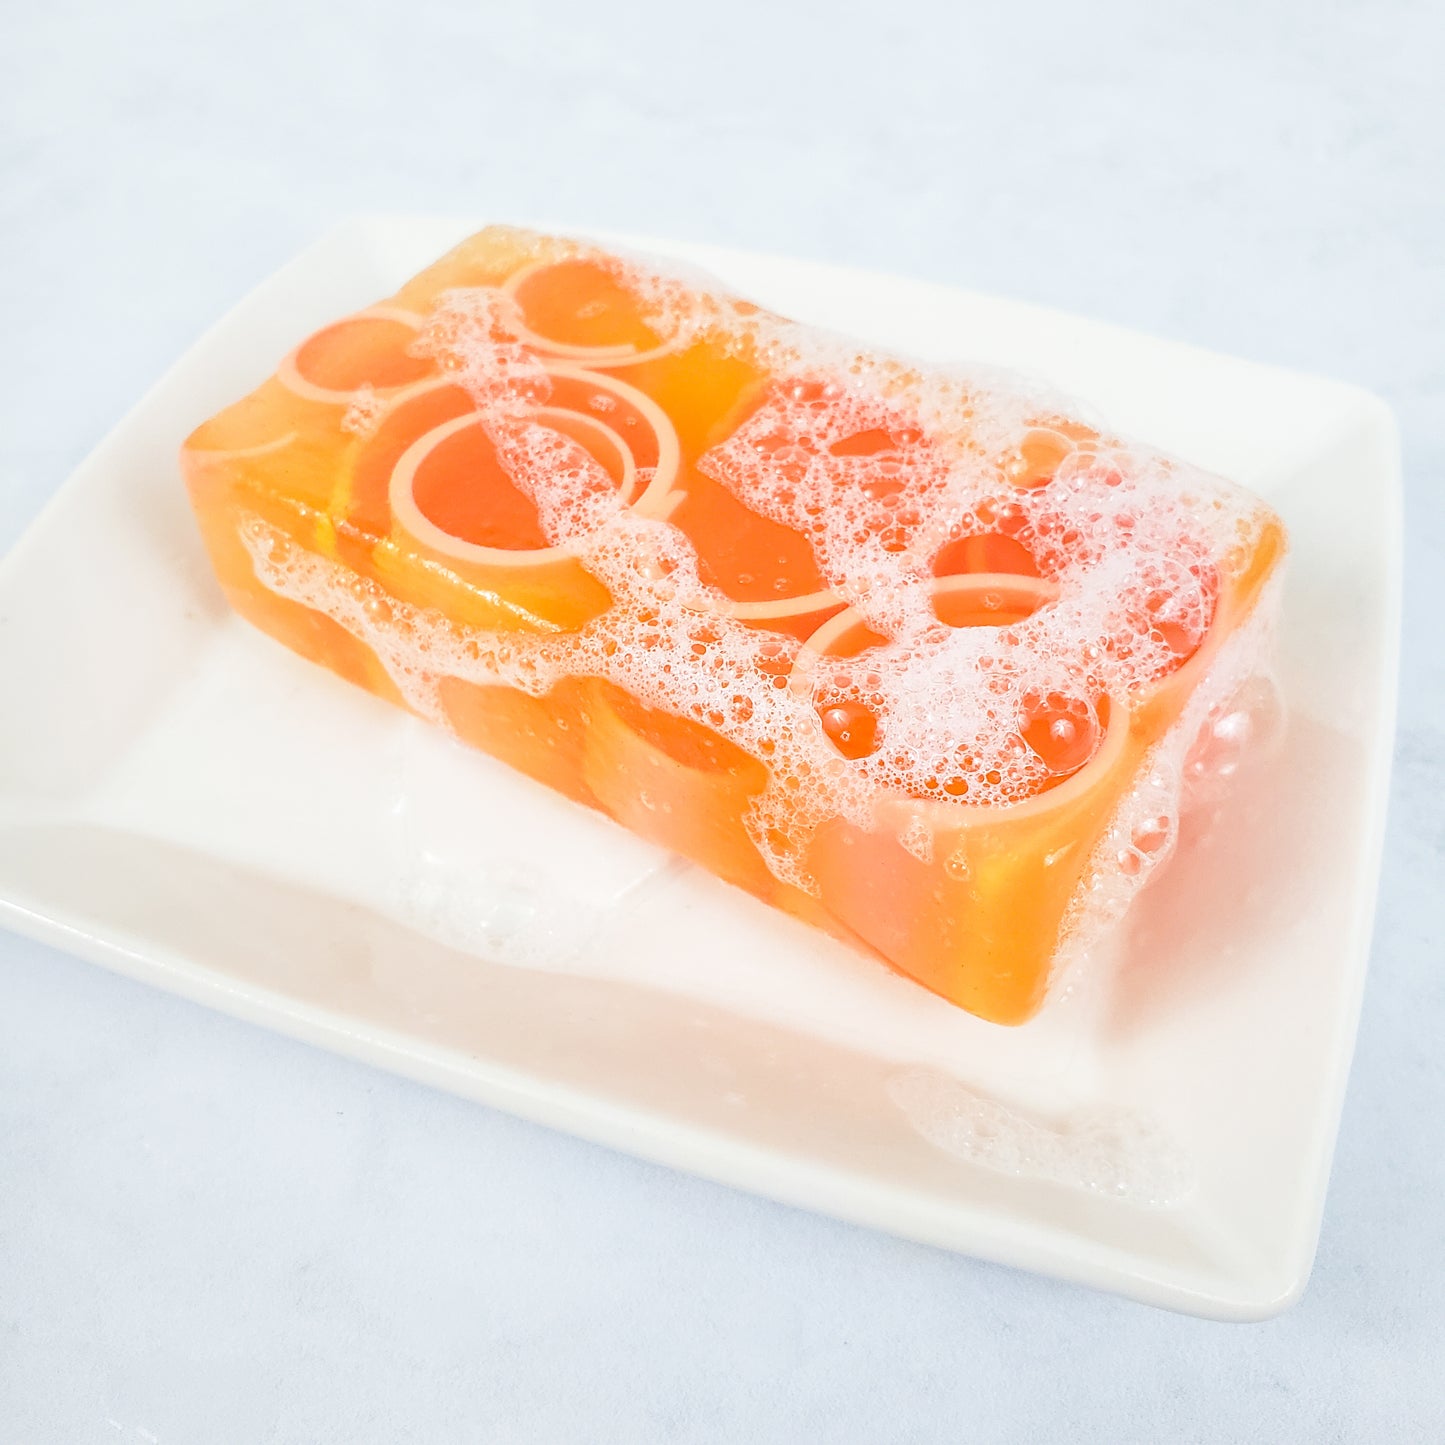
(208, 1234)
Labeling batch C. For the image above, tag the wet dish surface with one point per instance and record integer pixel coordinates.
(236, 827)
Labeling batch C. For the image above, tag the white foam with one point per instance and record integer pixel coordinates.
(1116, 1153)
(364, 411)
(1188, 765)
(507, 914)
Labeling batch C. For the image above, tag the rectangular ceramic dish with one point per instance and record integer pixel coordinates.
(187, 803)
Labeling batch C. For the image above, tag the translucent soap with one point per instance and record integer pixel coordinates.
(916, 654)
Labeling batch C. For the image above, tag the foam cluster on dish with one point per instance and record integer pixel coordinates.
(1115, 1153)
(511, 916)
(957, 611)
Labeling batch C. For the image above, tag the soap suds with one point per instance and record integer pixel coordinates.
(1113, 1153)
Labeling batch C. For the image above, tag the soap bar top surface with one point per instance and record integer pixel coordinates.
(844, 627)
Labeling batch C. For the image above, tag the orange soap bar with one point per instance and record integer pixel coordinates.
(908, 652)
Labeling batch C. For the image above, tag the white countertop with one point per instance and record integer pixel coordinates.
(212, 1235)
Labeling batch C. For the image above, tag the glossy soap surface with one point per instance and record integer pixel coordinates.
(919, 656)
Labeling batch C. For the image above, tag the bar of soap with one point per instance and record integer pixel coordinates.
(915, 654)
